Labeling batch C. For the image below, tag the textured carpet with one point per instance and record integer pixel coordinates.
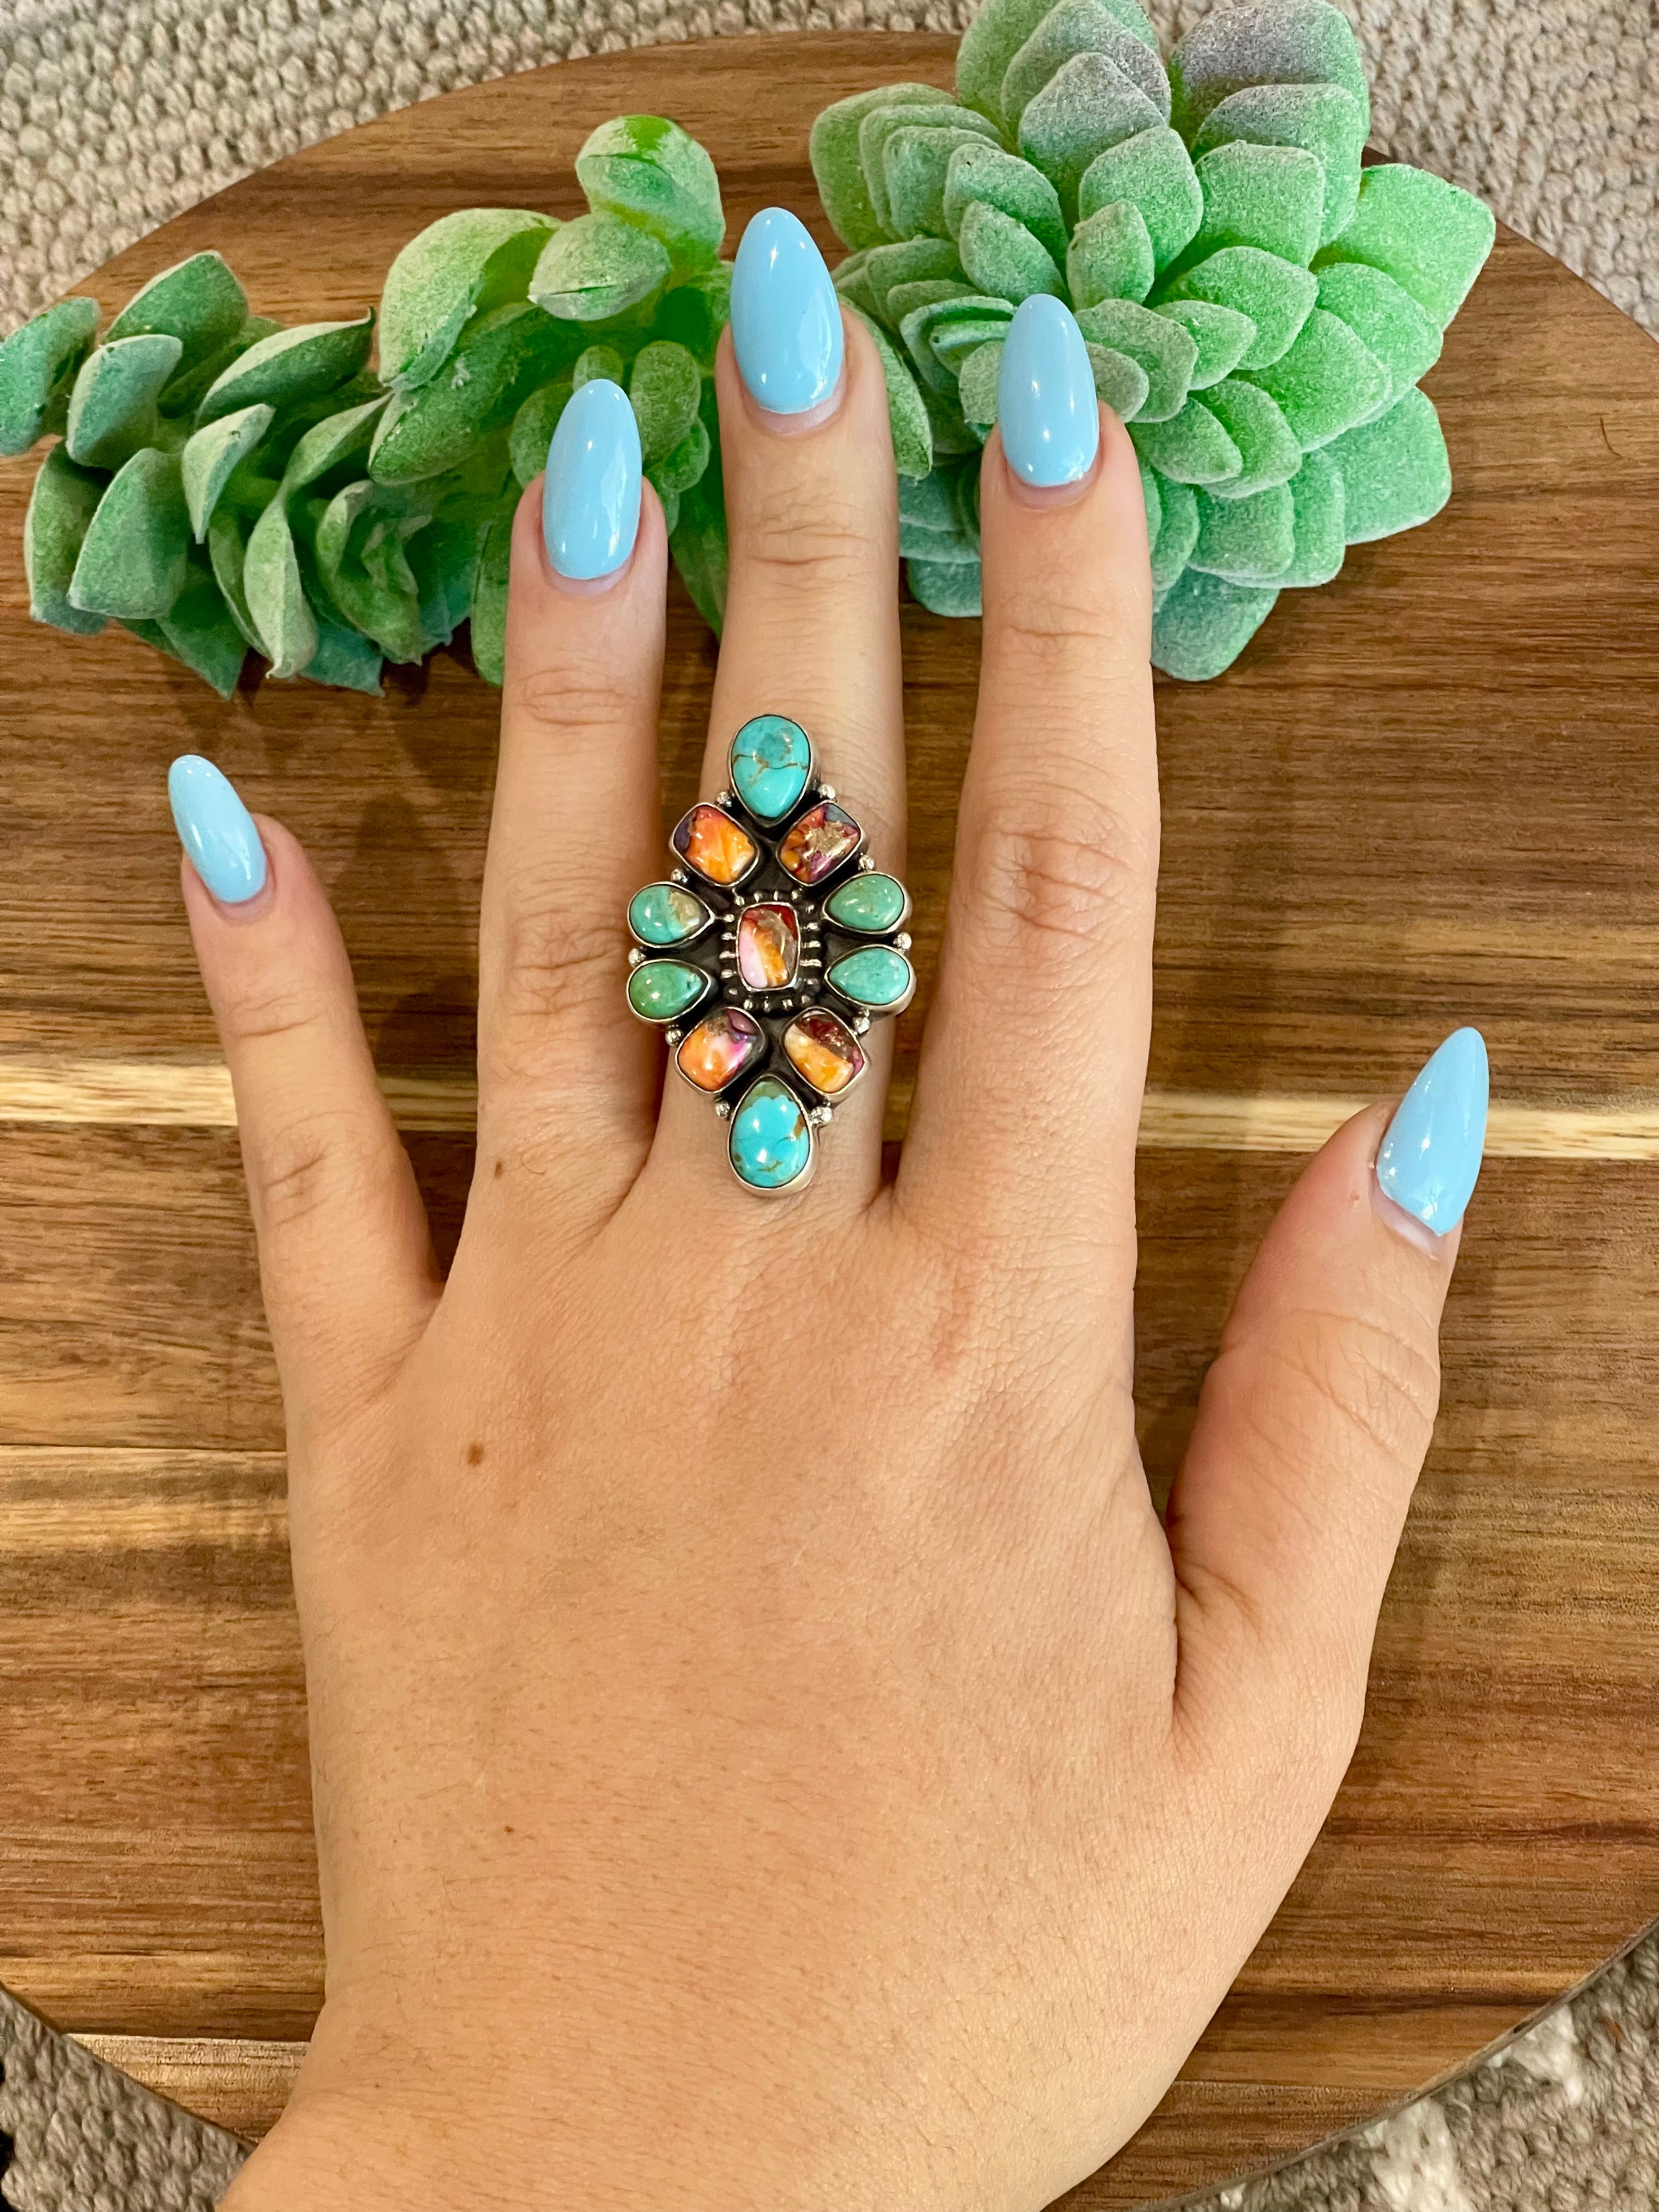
(114, 117)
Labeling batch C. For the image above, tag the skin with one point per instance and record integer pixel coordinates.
(768, 1750)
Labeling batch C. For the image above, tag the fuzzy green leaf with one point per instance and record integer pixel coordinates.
(1432, 238)
(1168, 353)
(292, 365)
(112, 411)
(1191, 447)
(1177, 531)
(1120, 382)
(1081, 27)
(693, 314)
(1110, 255)
(1205, 623)
(1272, 197)
(1323, 119)
(1268, 452)
(1384, 315)
(343, 658)
(881, 124)
(913, 261)
(683, 465)
(664, 386)
(62, 504)
(980, 171)
(1276, 294)
(1001, 256)
(915, 168)
(698, 546)
(183, 393)
(1154, 172)
(1086, 107)
(1319, 504)
(1329, 380)
(1222, 335)
(945, 587)
(507, 353)
(212, 453)
(533, 427)
(657, 177)
(1249, 540)
(907, 410)
(999, 31)
(198, 301)
(200, 630)
(464, 265)
(133, 558)
(274, 593)
(976, 385)
(362, 555)
(1271, 42)
(837, 165)
(490, 595)
(597, 267)
(1394, 471)
(226, 545)
(38, 365)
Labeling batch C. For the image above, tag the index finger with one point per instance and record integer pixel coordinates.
(1029, 1094)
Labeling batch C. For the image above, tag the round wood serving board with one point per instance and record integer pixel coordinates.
(1424, 796)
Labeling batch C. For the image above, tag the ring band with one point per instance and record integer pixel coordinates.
(766, 951)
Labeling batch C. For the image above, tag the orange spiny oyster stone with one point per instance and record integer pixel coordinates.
(823, 1049)
(769, 947)
(824, 837)
(719, 1049)
(718, 848)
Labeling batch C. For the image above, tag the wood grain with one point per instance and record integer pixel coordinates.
(1422, 796)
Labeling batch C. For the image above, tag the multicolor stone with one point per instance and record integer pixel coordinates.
(875, 976)
(663, 990)
(664, 913)
(816, 846)
(771, 1141)
(771, 761)
(716, 1052)
(871, 904)
(769, 947)
(824, 1050)
(719, 850)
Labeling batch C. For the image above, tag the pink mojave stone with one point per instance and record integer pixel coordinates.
(719, 1049)
(769, 947)
(823, 1049)
(816, 845)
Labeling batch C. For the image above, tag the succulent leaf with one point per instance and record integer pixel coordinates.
(199, 629)
(1323, 119)
(664, 386)
(1404, 339)
(112, 409)
(980, 171)
(301, 364)
(1153, 171)
(462, 266)
(654, 175)
(908, 413)
(38, 367)
(533, 427)
(1276, 294)
(1272, 197)
(1001, 256)
(838, 168)
(1205, 623)
(698, 544)
(1087, 107)
(1081, 27)
(1110, 255)
(133, 557)
(1394, 471)
(1430, 236)
(1222, 335)
(1121, 382)
(1329, 380)
(211, 455)
(489, 594)
(198, 301)
(1320, 505)
(431, 429)
(1272, 42)
(62, 504)
(1191, 447)
(1166, 351)
(596, 267)
(1249, 540)
(1177, 531)
(1268, 452)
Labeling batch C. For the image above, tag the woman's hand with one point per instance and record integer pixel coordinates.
(768, 1750)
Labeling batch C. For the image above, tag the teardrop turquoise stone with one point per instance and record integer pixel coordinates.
(771, 760)
(658, 990)
(771, 1143)
(876, 977)
(663, 914)
(869, 903)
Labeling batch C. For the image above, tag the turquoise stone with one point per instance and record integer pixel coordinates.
(876, 977)
(662, 990)
(771, 1142)
(663, 914)
(771, 760)
(869, 904)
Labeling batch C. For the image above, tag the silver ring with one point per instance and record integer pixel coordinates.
(766, 952)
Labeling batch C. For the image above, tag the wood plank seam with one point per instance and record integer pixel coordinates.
(183, 1094)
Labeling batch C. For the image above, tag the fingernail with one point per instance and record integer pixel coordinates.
(1047, 410)
(785, 318)
(591, 493)
(1432, 1154)
(216, 830)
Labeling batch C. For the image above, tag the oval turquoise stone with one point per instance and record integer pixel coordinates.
(663, 914)
(877, 976)
(660, 990)
(771, 1142)
(771, 760)
(869, 903)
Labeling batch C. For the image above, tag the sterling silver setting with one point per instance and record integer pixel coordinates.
(801, 1034)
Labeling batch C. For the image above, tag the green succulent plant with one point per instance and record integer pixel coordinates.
(1258, 308)
(221, 482)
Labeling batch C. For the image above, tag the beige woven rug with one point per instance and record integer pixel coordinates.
(116, 114)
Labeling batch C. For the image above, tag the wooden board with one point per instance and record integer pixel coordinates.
(1424, 795)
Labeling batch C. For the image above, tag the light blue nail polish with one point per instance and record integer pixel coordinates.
(1047, 410)
(1432, 1154)
(785, 318)
(591, 493)
(216, 830)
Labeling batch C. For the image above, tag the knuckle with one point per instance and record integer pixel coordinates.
(557, 961)
(1049, 629)
(271, 1008)
(327, 1160)
(1365, 1387)
(813, 540)
(1075, 874)
(571, 703)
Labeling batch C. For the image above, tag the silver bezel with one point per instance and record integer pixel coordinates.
(816, 889)
(751, 1069)
(792, 1189)
(685, 861)
(851, 929)
(663, 884)
(666, 1022)
(773, 822)
(890, 1012)
(799, 1075)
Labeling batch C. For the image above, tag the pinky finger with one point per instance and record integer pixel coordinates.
(345, 1258)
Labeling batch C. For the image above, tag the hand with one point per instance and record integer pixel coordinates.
(768, 1750)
